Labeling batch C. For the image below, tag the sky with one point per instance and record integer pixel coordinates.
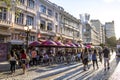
(104, 10)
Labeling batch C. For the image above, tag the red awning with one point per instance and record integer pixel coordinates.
(35, 44)
(48, 43)
(60, 44)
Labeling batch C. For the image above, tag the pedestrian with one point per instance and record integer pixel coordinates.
(12, 59)
(85, 59)
(100, 54)
(23, 61)
(106, 54)
(112, 51)
(94, 59)
(34, 54)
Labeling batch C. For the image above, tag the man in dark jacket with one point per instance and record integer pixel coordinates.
(106, 55)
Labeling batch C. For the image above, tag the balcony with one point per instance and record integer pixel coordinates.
(26, 8)
(50, 33)
(5, 23)
(47, 17)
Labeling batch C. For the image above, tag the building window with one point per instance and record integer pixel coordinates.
(49, 26)
(32, 38)
(3, 13)
(22, 1)
(42, 25)
(30, 20)
(56, 16)
(30, 3)
(43, 9)
(56, 28)
(50, 12)
(19, 18)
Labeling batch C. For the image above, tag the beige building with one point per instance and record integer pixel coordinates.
(57, 23)
(46, 18)
(13, 24)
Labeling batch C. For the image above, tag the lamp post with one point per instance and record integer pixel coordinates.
(27, 31)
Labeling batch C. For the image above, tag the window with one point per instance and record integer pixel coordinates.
(19, 18)
(30, 20)
(32, 38)
(43, 9)
(30, 3)
(42, 25)
(22, 1)
(56, 16)
(50, 12)
(3, 13)
(56, 28)
(49, 26)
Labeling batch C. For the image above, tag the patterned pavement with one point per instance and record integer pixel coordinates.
(72, 71)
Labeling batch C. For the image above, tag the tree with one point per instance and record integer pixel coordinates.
(9, 3)
(111, 42)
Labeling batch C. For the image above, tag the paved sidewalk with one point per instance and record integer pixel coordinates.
(38, 72)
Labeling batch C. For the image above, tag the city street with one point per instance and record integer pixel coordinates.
(73, 71)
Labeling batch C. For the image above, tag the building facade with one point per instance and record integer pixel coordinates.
(90, 34)
(46, 18)
(109, 29)
(98, 27)
(55, 22)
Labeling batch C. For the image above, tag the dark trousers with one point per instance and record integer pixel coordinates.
(12, 66)
(34, 60)
(95, 61)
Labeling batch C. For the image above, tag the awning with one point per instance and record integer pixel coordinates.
(59, 44)
(35, 44)
(48, 43)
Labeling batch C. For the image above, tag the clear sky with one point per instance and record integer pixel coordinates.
(104, 10)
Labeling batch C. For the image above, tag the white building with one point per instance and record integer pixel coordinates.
(90, 34)
(98, 27)
(109, 29)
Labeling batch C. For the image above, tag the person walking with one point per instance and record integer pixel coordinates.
(106, 54)
(34, 54)
(23, 60)
(85, 59)
(94, 59)
(12, 59)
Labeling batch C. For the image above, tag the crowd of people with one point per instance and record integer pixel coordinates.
(50, 56)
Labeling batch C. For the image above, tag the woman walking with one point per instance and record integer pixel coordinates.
(23, 60)
(94, 59)
(12, 60)
(85, 59)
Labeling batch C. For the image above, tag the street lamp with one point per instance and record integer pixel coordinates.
(27, 31)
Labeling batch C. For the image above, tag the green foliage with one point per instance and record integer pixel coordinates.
(111, 41)
(9, 3)
(102, 45)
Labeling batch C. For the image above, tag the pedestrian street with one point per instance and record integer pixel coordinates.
(73, 71)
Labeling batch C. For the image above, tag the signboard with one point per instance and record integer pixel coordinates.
(3, 52)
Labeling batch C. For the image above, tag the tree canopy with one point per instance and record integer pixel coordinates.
(111, 41)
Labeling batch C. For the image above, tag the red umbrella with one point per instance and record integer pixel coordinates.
(48, 43)
(72, 45)
(67, 45)
(35, 43)
(60, 44)
(88, 46)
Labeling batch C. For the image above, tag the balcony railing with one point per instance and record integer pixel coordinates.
(5, 23)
